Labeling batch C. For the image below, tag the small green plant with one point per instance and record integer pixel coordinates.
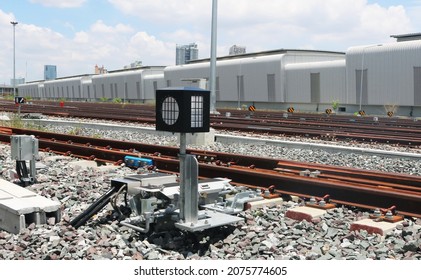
(35, 126)
(103, 99)
(117, 100)
(16, 121)
(335, 104)
(392, 108)
(75, 131)
(9, 97)
(149, 102)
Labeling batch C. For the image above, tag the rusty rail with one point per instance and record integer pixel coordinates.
(385, 130)
(368, 189)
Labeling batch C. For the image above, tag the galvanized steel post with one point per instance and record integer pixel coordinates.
(188, 184)
(212, 85)
(14, 58)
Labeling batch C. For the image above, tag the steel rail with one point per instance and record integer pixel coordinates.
(221, 158)
(354, 192)
(244, 160)
(396, 131)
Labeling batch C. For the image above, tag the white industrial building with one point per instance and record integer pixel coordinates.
(255, 77)
(373, 78)
(316, 82)
(391, 74)
(129, 85)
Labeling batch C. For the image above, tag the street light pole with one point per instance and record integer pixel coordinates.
(14, 58)
(212, 86)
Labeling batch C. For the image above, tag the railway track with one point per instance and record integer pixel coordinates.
(399, 131)
(360, 188)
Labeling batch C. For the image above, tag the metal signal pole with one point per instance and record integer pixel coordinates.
(14, 58)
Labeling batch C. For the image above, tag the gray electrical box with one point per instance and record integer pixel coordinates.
(24, 147)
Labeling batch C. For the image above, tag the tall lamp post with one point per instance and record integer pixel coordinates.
(14, 60)
(213, 58)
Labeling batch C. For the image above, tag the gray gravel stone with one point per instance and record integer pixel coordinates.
(265, 234)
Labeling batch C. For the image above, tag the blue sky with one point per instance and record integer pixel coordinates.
(76, 35)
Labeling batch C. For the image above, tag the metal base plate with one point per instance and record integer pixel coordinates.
(209, 219)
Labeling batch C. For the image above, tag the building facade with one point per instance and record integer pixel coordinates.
(374, 78)
(100, 70)
(234, 50)
(50, 72)
(17, 81)
(185, 53)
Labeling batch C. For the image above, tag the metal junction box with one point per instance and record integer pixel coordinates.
(24, 147)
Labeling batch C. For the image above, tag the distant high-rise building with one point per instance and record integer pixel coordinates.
(50, 72)
(135, 64)
(17, 81)
(234, 50)
(186, 53)
(100, 70)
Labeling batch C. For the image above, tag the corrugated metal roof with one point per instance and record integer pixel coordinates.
(388, 47)
(406, 35)
(264, 53)
(127, 73)
(238, 61)
(319, 65)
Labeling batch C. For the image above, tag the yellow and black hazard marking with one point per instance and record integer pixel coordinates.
(361, 112)
(390, 113)
(291, 110)
(252, 108)
(328, 111)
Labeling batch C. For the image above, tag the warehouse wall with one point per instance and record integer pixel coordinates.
(317, 82)
(152, 82)
(389, 76)
(30, 89)
(378, 75)
(70, 88)
(237, 79)
(127, 85)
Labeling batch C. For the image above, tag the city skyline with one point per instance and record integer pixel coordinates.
(76, 35)
(185, 53)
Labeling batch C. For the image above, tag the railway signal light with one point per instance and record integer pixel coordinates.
(19, 100)
(184, 110)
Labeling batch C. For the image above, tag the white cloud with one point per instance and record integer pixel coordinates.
(272, 24)
(60, 3)
(116, 46)
(36, 46)
(377, 19)
(6, 51)
(101, 27)
(415, 14)
(150, 50)
(81, 38)
(161, 11)
(156, 26)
